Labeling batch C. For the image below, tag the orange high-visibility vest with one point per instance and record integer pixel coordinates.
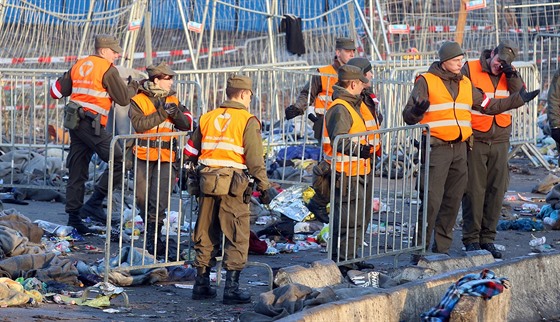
(481, 79)
(87, 86)
(222, 137)
(371, 125)
(324, 99)
(448, 119)
(351, 165)
(155, 152)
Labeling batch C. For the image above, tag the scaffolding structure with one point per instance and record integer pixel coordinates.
(206, 34)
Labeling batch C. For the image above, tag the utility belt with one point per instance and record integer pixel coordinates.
(154, 144)
(74, 113)
(435, 141)
(95, 119)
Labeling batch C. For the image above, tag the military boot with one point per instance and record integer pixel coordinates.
(232, 293)
(75, 221)
(151, 241)
(93, 208)
(202, 289)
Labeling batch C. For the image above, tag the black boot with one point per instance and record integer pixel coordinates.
(93, 208)
(232, 293)
(202, 289)
(150, 240)
(75, 221)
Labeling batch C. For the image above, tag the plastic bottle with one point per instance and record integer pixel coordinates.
(54, 229)
(537, 241)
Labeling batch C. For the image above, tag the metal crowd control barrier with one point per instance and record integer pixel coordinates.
(524, 119)
(275, 88)
(33, 141)
(393, 93)
(380, 218)
(125, 240)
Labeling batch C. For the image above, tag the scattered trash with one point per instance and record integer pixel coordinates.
(257, 283)
(537, 241)
(112, 311)
(364, 279)
(55, 229)
(185, 286)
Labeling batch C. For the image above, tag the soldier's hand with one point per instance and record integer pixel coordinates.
(313, 117)
(292, 111)
(420, 107)
(508, 70)
(171, 108)
(528, 96)
(132, 86)
(264, 198)
(365, 151)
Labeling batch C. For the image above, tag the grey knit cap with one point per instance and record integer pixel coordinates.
(449, 50)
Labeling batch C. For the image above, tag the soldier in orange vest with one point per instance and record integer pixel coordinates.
(488, 158)
(228, 139)
(319, 90)
(371, 113)
(93, 84)
(443, 99)
(156, 109)
(352, 162)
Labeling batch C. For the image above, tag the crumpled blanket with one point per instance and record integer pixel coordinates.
(12, 293)
(20, 223)
(129, 257)
(30, 167)
(12, 243)
(45, 267)
(485, 285)
(286, 300)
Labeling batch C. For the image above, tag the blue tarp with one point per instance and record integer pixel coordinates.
(166, 15)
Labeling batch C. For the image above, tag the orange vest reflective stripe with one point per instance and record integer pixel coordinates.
(155, 152)
(351, 165)
(222, 137)
(481, 79)
(324, 99)
(87, 86)
(371, 125)
(448, 119)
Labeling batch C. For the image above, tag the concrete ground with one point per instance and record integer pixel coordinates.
(173, 301)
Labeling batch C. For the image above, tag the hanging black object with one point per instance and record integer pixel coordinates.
(294, 34)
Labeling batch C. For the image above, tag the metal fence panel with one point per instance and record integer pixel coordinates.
(388, 226)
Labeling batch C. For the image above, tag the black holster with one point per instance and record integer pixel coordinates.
(249, 191)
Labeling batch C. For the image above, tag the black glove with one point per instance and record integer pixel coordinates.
(132, 86)
(528, 96)
(508, 70)
(171, 108)
(292, 111)
(419, 108)
(312, 117)
(555, 134)
(264, 198)
(365, 151)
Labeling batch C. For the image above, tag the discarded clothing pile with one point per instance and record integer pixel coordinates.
(485, 285)
(524, 224)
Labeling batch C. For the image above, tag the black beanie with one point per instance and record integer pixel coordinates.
(449, 50)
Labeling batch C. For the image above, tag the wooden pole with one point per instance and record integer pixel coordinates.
(461, 22)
